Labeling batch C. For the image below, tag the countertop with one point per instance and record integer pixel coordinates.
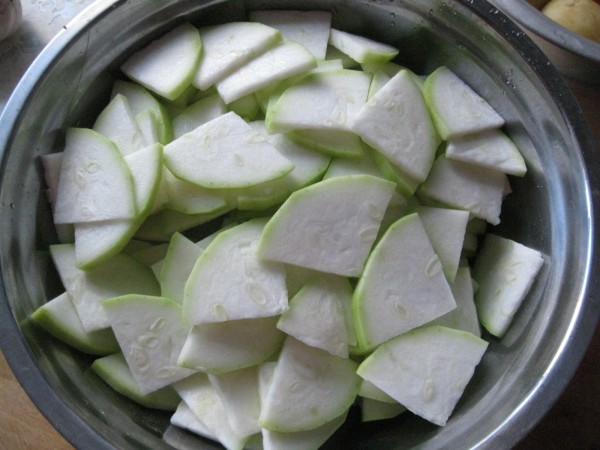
(571, 424)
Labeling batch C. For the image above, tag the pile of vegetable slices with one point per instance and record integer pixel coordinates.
(351, 196)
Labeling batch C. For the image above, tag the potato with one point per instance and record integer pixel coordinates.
(580, 16)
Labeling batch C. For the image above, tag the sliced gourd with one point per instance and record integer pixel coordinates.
(95, 183)
(59, 318)
(229, 282)
(198, 113)
(395, 122)
(402, 287)
(229, 46)
(120, 275)
(456, 109)
(177, 266)
(329, 226)
(225, 153)
(371, 410)
(117, 123)
(232, 345)
(151, 333)
(429, 387)
(113, 369)
(465, 186)
(504, 271)
(309, 28)
(321, 387)
(282, 61)
(167, 65)
(361, 49)
(189, 198)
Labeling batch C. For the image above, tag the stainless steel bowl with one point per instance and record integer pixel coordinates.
(575, 56)
(551, 209)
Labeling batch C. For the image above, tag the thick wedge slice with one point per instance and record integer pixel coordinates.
(239, 393)
(329, 226)
(117, 123)
(403, 285)
(320, 101)
(59, 318)
(140, 100)
(225, 153)
(371, 410)
(113, 369)
(120, 275)
(189, 198)
(204, 401)
(317, 315)
(229, 282)
(229, 46)
(167, 65)
(309, 28)
(151, 333)
(446, 231)
(177, 266)
(319, 385)
(396, 123)
(232, 345)
(504, 271)
(429, 387)
(340, 143)
(95, 183)
(466, 186)
(361, 49)
(198, 113)
(456, 109)
(492, 149)
(185, 418)
(282, 61)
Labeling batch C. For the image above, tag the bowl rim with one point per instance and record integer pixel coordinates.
(545, 393)
(531, 18)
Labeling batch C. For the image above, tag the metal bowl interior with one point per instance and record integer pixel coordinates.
(575, 56)
(550, 209)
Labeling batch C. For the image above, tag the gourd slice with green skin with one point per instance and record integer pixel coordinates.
(95, 183)
(189, 198)
(198, 113)
(395, 122)
(229, 282)
(59, 318)
(185, 418)
(361, 49)
(504, 271)
(228, 47)
(329, 226)
(140, 100)
(302, 440)
(151, 332)
(372, 410)
(247, 107)
(278, 63)
(337, 143)
(429, 387)
(117, 123)
(231, 345)
(464, 317)
(456, 109)
(446, 231)
(113, 369)
(320, 101)
(122, 274)
(238, 391)
(309, 28)
(177, 266)
(148, 123)
(402, 287)
(309, 167)
(372, 392)
(167, 65)
(492, 149)
(465, 186)
(51, 163)
(202, 398)
(317, 316)
(225, 153)
(321, 387)
(96, 242)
